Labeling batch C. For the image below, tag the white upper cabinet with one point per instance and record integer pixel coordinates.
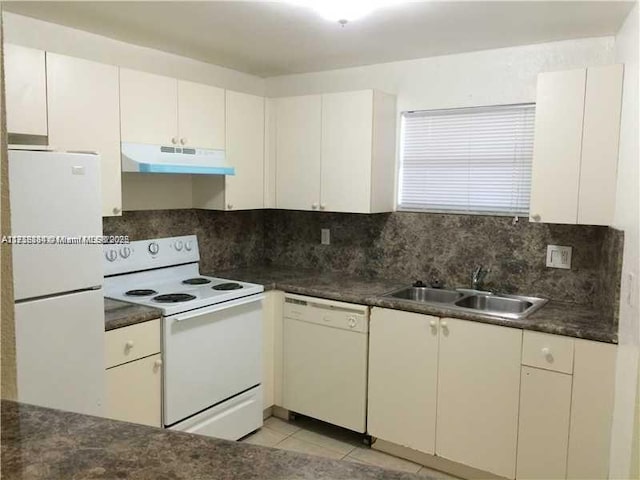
(201, 115)
(601, 134)
(148, 108)
(84, 115)
(26, 90)
(298, 143)
(576, 146)
(245, 151)
(164, 111)
(336, 152)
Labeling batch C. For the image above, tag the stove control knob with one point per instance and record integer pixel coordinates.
(111, 255)
(178, 245)
(125, 252)
(188, 246)
(154, 248)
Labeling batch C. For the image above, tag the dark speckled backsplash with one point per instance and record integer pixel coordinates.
(400, 245)
(226, 239)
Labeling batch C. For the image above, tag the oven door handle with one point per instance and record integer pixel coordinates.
(216, 308)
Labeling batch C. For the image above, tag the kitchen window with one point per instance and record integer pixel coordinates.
(467, 160)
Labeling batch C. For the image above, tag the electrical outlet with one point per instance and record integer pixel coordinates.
(559, 256)
(325, 236)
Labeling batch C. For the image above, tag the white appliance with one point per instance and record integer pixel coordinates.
(211, 334)
(325, 360)
(146, 158)
(59, 309)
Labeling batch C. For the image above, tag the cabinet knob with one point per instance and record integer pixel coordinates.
(535, 217)
(444, 324)
(433, 323)
(116, 210)
(314, 206)
(546, 351)
(174, 140)
(229, 206)
(128, 345)
(183, 141)
(157, 363)
(323, 206)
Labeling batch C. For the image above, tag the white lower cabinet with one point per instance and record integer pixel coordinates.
(545, 404)
(446, 386)
(133, 391)
(592, 404)
(403, 377)
(134, 373)
(478, 395)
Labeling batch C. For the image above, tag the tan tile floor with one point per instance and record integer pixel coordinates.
(317, 438)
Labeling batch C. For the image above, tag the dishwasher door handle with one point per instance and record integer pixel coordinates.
(216, 308)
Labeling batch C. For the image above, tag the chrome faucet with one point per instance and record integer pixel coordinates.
(477, 277)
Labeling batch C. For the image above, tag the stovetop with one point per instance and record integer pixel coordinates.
(176, 289)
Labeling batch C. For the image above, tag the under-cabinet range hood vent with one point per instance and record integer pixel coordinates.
(144, 158)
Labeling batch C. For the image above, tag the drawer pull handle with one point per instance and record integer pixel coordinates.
(129, 345)
(546, 351)
(157, 363)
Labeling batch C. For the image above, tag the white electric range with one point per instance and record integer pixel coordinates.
(211, 334)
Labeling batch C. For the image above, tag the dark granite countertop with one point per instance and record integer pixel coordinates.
(559, 318)
(40, 443)
(119, 314)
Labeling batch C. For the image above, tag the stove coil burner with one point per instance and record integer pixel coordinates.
(174, 298)
(141, 292)
(227, 286)
(196, 281)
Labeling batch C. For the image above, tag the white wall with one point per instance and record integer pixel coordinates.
(34, 33)
(627, 218)
(489, 77)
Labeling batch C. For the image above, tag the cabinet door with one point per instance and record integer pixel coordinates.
(133, 391)
(26, 90)
(347, 124)
(245, 151)
(555, 171)
(591, 410)
(148, 108)
(403, 372)
(478, 395)
(601, 132)
(84, 114)
(543, 431)
(298, 133)
(200, 115)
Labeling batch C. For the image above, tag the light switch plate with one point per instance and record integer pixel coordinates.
(559, 256)
(325, 236)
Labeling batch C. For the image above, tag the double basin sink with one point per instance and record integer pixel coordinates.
(507, 306)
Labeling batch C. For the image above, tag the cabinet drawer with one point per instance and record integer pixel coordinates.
(133, 342)
(551, 352)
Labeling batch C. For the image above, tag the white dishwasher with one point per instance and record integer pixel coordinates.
(325, 360)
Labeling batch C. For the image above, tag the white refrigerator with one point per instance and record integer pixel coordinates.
(59, 309)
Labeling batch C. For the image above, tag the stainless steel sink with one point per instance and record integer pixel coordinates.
(494, 304)
(506, 306)
(426, 294)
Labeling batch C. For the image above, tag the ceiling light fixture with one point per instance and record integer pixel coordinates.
(344, 11)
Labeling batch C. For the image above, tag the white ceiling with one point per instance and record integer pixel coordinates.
(276, 38)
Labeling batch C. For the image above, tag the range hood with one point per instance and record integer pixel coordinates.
(145, 158)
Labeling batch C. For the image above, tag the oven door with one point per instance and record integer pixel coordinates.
(211, 354)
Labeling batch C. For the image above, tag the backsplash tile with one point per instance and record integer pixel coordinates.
(226, 239)
(400, 245)
(447, 247)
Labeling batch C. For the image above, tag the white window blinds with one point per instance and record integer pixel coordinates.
(468, 160)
